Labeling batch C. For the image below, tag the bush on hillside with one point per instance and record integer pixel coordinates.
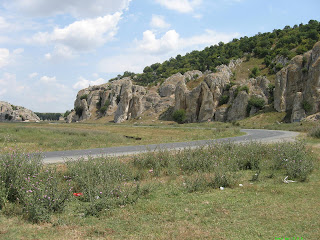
(179, 116)
(79, 110)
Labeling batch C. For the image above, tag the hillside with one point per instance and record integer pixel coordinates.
(226, 82)
(276, 48)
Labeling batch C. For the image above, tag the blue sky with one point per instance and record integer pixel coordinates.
(49, 50)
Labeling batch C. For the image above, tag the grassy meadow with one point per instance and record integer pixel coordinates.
(167, 195)
(60, 136)
(226, 191)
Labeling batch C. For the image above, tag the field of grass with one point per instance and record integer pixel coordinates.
(55, 137)
(179, 204)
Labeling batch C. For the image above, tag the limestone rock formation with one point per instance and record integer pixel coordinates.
(213, 98)
(297, 86)
(9, 112)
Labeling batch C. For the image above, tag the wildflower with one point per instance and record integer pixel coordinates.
(78, 194)
(151, 171)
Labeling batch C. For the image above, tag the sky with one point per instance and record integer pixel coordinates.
(51, 49)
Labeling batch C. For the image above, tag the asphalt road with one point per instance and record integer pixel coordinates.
(251, 135)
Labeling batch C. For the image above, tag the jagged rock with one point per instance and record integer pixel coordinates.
(9, 112)
(301, 75)
(313, 118)
(221, 114)
(207, 105)
(123, 107)
(297, 112)
(280, 60)
(169, 86)
(238, 109)
(192, 75)
(125, 100)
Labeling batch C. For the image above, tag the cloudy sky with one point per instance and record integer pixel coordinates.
(50, 49)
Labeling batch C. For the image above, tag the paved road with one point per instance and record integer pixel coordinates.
(251, 135)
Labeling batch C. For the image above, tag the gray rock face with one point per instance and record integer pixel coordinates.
(9, 112)
(298, 83)
(126, 100)
(238, 109)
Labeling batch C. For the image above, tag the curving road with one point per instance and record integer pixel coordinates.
(251, 135)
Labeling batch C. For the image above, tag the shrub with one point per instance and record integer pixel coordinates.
(43, 193)
(79, 110)
(84, 96)
(229, 85)
(255, 101)
(254, 72)
(245, 88)
(306, 106)
(304, 70)
(179, 116)
(223, 99)
(278, 67)
(315, 132)
(15, 165)
(66, 113)
(105, 107)
(23, 180)
(101, 182)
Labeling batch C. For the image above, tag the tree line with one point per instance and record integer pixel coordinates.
(287, 42)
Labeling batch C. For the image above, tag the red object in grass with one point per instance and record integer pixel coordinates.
(78, 194)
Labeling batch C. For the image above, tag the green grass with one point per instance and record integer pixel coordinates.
(55, 137)
(263, 209)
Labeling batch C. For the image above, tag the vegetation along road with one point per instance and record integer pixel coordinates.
(251, 135)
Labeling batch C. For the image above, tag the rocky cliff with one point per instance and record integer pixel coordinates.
(297, 86)
(125, 100)
(208, 96)
(9, 112)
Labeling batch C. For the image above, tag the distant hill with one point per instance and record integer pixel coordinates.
(275, 48)
(276, 71)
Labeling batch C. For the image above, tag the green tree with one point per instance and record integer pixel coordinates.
(179, 116)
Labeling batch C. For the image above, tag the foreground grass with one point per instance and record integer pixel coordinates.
(55, 137)
(262, 209)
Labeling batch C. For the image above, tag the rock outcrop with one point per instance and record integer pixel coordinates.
(9, 112)
(202, 103)
(297, 86)
(125, 100)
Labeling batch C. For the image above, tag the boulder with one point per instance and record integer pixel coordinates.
(238, 109)
(12, 113)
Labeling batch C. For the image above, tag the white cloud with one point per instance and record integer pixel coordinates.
(158, 21)
(151, 50)
(7, 58)
(210, 37)
(4, 57)
(77, 8)
(182, 6)
(46, 79)
(84, 83)
(168, 42)
(18, 51)
(83, 35)
(43, 95)
(60, 52)
(4, 24)
(132, 62)
(33, 75)
(52, 82)
(171, 41)
(8, 82)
